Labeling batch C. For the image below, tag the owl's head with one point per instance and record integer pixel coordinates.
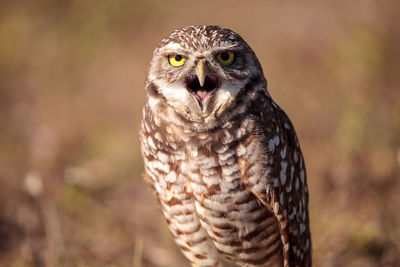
(199, 72)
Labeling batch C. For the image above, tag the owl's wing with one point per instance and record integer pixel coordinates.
(286, 192)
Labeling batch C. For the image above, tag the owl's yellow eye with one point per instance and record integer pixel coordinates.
(176, 60)
(226, 58)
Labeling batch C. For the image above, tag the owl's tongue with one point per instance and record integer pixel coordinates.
(202, 93)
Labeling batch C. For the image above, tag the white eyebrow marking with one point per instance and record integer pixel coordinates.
(173, 46)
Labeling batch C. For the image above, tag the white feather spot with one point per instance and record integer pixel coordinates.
(302, 176)
(295, 157)
(276, 140)
(162, 157)
(157, 121)
(171, 177)
(240, 150)
(153, 102)
(228, 170)
(146, 126)
(221, 149)
(228, 137)
(162, 183)
(151, 143)
(197, 188)
(271, 145)
(284, 165)
(194, 153)
(283, 152)
(209, 163)
(283, 178)
(297, 183)
(181, 179)
(161, 166)
(228, 154)
(289, 187)
(211, 180)
(302, 228)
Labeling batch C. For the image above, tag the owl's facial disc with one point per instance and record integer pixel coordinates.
(211, 82)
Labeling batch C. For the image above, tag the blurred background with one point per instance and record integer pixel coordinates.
(71, 91)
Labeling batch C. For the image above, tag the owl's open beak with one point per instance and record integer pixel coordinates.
(202, 93)
(201, 84)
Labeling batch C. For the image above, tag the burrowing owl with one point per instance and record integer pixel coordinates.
(223, 158)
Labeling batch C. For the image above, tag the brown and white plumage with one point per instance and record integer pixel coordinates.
(223, 158)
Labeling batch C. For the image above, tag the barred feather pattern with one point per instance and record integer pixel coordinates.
(235, 194)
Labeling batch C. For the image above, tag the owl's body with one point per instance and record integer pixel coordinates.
(223, 158)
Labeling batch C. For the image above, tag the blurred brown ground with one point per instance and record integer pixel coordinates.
(71, 90)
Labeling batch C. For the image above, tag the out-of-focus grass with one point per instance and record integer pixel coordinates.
(71, 90)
